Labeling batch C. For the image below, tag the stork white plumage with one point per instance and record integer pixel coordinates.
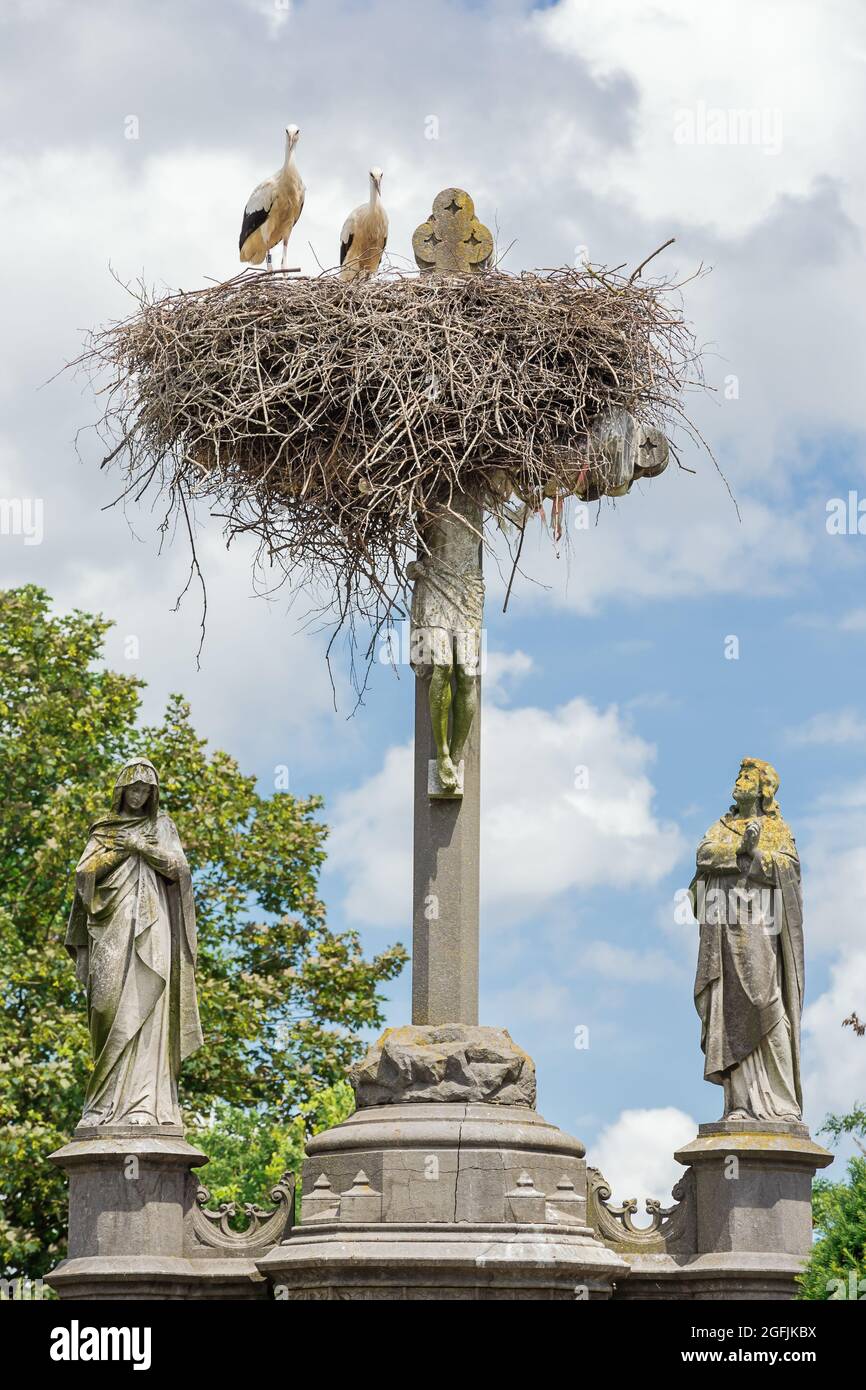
(364, 235)
(273, 208)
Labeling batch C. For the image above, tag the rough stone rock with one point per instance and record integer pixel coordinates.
(447, 1062)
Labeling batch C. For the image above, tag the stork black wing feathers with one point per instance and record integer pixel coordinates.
(344, 247)
(250, 222)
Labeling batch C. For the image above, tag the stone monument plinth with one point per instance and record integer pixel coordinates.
(741, 1225)
(137, 1227)
(130, 1195)
(753, 1207)
(445, 1183)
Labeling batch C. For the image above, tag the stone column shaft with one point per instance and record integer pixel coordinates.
(445, 882)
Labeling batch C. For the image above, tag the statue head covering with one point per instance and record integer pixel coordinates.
(137, 770)
(768, 782)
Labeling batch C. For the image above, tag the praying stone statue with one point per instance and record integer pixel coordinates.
(132, 936)
(749, 983)
(447, 612)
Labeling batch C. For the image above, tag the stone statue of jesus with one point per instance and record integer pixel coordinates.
(447, 613)
(749, 981)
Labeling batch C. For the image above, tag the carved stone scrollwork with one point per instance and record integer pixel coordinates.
(264, 1227)
(668, 1226)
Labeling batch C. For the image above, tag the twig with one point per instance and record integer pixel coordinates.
(635, 273)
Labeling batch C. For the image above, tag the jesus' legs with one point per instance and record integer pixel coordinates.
(465, 706)
(440, 709)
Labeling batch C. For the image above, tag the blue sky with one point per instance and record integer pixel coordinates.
(580, 131)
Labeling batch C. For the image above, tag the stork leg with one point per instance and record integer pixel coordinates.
(268, 262)
(285, 253)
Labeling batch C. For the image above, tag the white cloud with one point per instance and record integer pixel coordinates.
(635, 1153)
(537, 1002)
(834, 1057)
(833, 852)
(275, 13)
(781, 59)
(246, 696)
(625, 964)
(501, 670)
(676, 537)
(542, 835)
(371, 843)
(833, 849)
(845, 726)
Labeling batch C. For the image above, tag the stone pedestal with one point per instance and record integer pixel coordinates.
(741, 1223)
(753, 1208)
(454, 1198)
(132, 1197)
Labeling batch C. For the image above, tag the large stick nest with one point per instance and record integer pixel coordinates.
(334, 420)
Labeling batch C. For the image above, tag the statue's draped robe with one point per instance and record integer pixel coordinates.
(132, 934)
(749, 981)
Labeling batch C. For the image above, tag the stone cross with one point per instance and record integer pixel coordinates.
(452, 238)
(447, 817)
(446, 859)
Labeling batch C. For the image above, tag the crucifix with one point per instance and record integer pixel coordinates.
(446, 630)
(447, 616)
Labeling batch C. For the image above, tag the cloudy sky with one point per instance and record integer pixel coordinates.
(132, 135)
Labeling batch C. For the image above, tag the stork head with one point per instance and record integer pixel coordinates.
(376, 177)
(293, 134)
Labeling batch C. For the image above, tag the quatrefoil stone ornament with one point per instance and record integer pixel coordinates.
(452, 238)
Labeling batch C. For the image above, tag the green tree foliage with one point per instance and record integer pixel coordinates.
(249, 1151)
(281, 996)
(837, 1267)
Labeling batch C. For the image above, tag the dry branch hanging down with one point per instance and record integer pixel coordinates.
(332, 420)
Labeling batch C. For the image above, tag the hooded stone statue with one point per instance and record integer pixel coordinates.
(749, 982)
(132, 936)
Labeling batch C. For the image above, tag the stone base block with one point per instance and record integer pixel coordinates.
(756, 1277)
(749, 1218)
(137, 1230)
(741, 1224)
(135, 1277)
(131, 1198)
(442, 1163)
(441, 1261)
(130, 1190)
(753, 1187)
(443, 1200)
(435, 788)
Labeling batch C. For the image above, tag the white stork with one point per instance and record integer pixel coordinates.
(273, 209)
(364, 235)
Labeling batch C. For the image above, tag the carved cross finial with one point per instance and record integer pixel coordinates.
(452, 238)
